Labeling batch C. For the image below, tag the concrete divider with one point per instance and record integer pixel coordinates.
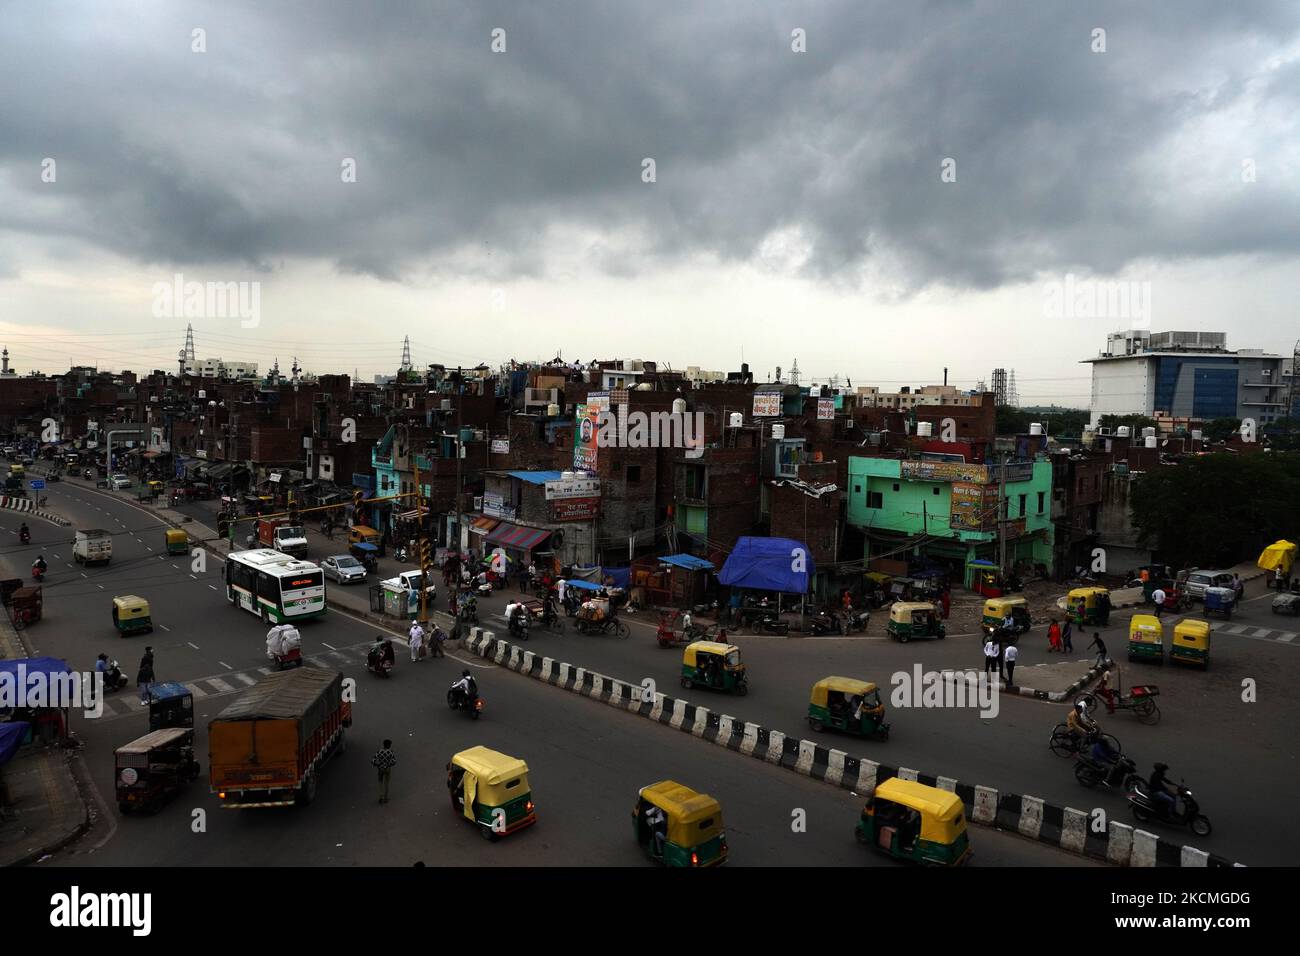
(1030, 816)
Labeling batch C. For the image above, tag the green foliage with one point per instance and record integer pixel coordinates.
(1218, 509)
(1135, 422)
(1066, 422)
(1221, 429)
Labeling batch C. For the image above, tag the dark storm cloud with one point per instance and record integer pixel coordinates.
(467, 160)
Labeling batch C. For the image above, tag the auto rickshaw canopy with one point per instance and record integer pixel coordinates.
(689, 655)
(1087, 596)
(177, 536)
(1279, 555)
(877, 576)
(693, 818)
(1145, 629)
(499, 778)
(1192, 632)
(900, 612)
(363, 532)
(1002, 606)
(154, 739)
(129, 605)
(843, 685)
(942, 817)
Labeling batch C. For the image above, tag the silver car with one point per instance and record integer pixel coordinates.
(344, 569)
(1198, 581)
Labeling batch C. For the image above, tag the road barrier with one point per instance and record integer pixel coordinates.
(27, 506)
(1063, 827)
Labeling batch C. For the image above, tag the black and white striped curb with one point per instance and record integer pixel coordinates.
(971, 678)
(27, 506)
(1063, 827)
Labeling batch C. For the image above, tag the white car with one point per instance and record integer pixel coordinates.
(343, 568)
(410, 581)
(118, 482)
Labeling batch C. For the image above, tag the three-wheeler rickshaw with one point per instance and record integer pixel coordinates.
(677, 826)
(1089, 607)
(1219, 601)
(131, 615)
(909, 619)
(714, 666)
(911, 821)
(844, 703)
(997, 610)
(177, 541)
(151, 768)
(366, 553)
(171, 704)
(26, 606)
(1146, 639)
(1191, 643)
(490, 789)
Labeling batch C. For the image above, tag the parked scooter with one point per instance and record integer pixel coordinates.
(1147, 807)
(822, 623)
(856, 621)
(770, 624)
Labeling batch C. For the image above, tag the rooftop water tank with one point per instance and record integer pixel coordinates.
(679, 406)
(736, 419)
(1148, 432)
(552, 410)
(1196, 434)
(1122, 431)
(1035, 428)
(924, 429)
(1150, 441)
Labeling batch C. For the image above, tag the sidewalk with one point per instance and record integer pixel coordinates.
(45, 809)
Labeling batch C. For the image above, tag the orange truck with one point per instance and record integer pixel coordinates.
(268, 747)
(282, 535)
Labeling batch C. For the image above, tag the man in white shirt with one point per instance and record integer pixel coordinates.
(560, 585)
(990, 656)
(417, 640)
(1009, 659)
(1158, 599)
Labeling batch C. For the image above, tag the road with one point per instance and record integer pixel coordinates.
(587, 759)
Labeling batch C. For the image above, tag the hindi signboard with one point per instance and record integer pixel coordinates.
(563, 488)
(767, 404)
(575, 509)
(586, 429)
(501, 446)
(825, 409)
(944, 471)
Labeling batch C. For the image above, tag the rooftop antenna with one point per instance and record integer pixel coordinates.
(406, 355)
(794, 373)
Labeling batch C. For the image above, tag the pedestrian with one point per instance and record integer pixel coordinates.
(144, 677)
(1158, 599)
(417, 640)
(1239, 586)
(523, 579)
(436, 641)
(1009, 657)
(1054, 636)
(383, 761)
(990, 656)
(1101, 649)
(1067, 646)
(946, 600)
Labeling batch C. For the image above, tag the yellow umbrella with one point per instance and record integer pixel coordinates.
(1278, 555)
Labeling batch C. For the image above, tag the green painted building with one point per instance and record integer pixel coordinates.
(948, 511)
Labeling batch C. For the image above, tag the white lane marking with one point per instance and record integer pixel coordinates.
(176, 567)
(220, 685)
(165, 627)
(225, 665)
(83, 574)
(196, 690)
(57, 558)
(330, 646)
(100, 586)
(243, 678)
(192, 644)
(213, 586)
(1263, 631)
(1286, 639)
(264, 670)
(147, 548)
(194, 576)
(1232, 628)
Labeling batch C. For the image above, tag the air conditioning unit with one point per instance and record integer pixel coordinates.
(478, 503)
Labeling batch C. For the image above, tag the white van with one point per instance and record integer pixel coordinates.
(1198, 581)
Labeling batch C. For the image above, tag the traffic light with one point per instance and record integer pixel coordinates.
(426, 556)
(358, 499)
(293, 511)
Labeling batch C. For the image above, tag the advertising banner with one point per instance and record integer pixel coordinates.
(575, 509)
(501, 446)
(944, 471)
(586, 428)
(767, 404)
(562, 488)
(974, 506)
(825, 409)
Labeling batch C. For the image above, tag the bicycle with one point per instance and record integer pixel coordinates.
(1065, 743)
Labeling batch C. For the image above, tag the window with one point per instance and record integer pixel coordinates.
(857, 489)
(935, 489)
(1041, 496)
(1023, 499)
(895, 486)
(875, 499)
(694, 482)
(633, 473)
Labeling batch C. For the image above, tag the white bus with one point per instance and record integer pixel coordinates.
(278, 588)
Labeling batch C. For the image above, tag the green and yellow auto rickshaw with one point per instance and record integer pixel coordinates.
(491, 789)
(911, 821)
(914, 619)
(1088, 607)
(1191, 643)
(1146, 639)
(853, 706)
(178, 542)
(678, 827)
(714, 666)
(998, 610)
(131, 614)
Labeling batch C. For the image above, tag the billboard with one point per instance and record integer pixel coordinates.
(575, 509)
(767, 404)
(562, 488)
(973, 506)
(944, 471)
(825, 409)
(586, 427)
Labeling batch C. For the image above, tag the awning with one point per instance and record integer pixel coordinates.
(688, 561)
(517, 536)
(483, 525)
(220, 470)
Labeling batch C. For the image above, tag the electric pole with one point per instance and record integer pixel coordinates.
(460, 392)
(1002, 515)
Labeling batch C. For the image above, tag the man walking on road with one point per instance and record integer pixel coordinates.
(417, 640)
(144, 677)
(384, 761)
(1158, 599)
(1101, 648)
(1009, 658)
(990, 656)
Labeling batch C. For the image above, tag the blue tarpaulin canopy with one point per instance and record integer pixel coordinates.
(584, 585)
(11, 738)
(36, 665)
(769, 564)
(688, 561)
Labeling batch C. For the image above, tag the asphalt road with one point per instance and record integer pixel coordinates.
(587, 760)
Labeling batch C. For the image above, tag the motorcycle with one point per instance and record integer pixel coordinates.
(1120, 772)
(471, 704)
(770, 624)
(856, 621)
(378, 663)
(400, 554)
(25, 537)
(1145, 807)
(518, 626)
(823, 623)
(114, 679)
(38, 573)
(468, 610)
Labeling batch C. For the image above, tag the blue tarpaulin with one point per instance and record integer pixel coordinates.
(581, 584)
(688, 561)
(769, 564)
(621, 577)
(36, 665)
(11, 738)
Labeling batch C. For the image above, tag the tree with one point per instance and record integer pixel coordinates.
(1135, 422)
(1217, 509)
(1220, 429)
(1016, 421)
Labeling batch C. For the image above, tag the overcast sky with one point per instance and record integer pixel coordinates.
(799, 207)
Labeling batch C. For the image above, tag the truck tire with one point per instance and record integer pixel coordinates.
(307, 792)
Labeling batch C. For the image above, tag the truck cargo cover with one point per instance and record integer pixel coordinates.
(309, 693)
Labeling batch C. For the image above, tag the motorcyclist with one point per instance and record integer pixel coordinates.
(465, 688)
(516, 616)
(381, 652)
(24, 533)
(101, 664)
(39, 564)
(1160, 790)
